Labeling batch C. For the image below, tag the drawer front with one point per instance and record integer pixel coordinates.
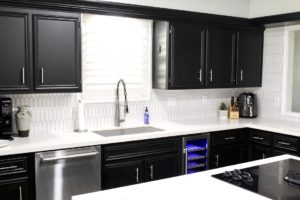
(285, 142)
(228, 137)
(13, 166)
(260, 137)
(140, 149)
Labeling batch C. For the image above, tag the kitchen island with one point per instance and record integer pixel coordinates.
(193, 186)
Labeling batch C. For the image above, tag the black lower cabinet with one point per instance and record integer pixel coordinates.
(142, 161)
(14, 189)
(17, 177)
(227, 155)
(123, 173)
(160, 167)
(256, 152)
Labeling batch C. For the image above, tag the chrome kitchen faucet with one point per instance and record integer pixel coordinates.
(119, 117)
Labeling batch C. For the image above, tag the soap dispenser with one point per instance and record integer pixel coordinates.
(146, 116)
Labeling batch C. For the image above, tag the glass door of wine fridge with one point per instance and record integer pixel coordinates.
(195, 153)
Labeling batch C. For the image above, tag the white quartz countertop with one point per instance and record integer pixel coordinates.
(62, 140)
(193, 186)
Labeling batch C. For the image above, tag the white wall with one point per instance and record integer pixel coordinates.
(259, 8)
(237, 8)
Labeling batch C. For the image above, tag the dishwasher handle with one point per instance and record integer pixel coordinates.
(80, 155)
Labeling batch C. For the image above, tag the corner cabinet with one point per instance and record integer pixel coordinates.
(193, 55)
(142, 161)
(249, 58)
(40, 51)
(57, 52)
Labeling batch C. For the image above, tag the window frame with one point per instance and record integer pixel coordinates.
(146, 97)
(286, 109)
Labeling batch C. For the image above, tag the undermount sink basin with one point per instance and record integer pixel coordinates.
(127, 131)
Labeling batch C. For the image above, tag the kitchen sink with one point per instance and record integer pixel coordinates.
(127, 131)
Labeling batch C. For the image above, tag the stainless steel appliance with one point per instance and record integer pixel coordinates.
(5, 118)
(269, 180)
(248, 105)
(64, 173)
(195, 153)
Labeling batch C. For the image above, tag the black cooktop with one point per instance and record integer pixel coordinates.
(267, 180)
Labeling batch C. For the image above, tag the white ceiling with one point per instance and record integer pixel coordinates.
(237, 8)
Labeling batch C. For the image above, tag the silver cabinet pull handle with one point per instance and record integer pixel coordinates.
(258, 138)
(284, 143)
(69, 156)
(200, 75)
(20, 193)
(242, 75)
(186, 160)
(217, 160)
(137, 175)
(230, 138)
(42, 75)
(264, 156)
(23, 75)
(151, 172)
(10, 167)
(211, 75)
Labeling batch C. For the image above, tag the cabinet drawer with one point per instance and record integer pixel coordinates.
(227, 137)
(286, 142)
(260, 137)
(13, 166)
(140, 149)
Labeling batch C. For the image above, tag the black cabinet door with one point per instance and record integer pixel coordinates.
(57, 52)
(187, 56)
(160, 167)
(15, 189)
(220, 57)
(249, 58)
(227, 155)
(14, 51)
(257, 152)
(122, 174)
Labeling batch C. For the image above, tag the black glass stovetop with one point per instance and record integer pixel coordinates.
(266, 180)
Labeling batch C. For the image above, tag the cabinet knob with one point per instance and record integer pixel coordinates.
(242, 75)
(200, 75)
(211, 75)
(151, 172)
(137, 175)
(217, 160)
(20, 193)
(42, 75)
(23, 75)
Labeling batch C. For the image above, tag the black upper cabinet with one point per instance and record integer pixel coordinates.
(187, 56)
(57, 52)
(220, 54)
(14, 51)
(249, 58)
(194, 55)
(40, 51)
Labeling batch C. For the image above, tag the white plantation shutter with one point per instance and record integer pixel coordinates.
(115, 48)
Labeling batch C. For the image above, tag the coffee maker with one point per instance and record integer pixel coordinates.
(6, 118)
(248, 105)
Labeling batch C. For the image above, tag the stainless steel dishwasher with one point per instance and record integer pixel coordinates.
(64, 173)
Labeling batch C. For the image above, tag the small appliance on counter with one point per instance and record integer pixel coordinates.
(6, 118)
(248, 105)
